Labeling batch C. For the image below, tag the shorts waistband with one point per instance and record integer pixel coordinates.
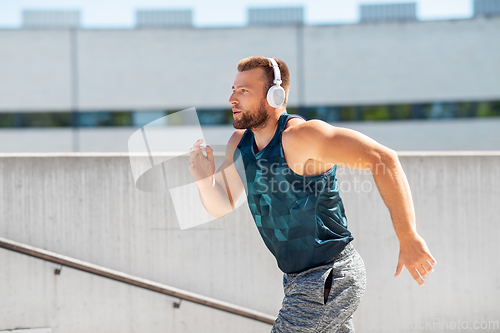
(348, 249)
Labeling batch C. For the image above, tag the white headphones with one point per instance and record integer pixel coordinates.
(276, 94)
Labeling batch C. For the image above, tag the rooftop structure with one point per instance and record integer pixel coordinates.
(486, 7)
(163, 18)
(51, 19)
(388, 12)
(276, 16)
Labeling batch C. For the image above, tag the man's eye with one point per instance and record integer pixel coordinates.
(244, 90)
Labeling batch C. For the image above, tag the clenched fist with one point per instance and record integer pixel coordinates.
(201, 167)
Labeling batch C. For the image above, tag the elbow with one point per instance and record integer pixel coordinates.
(387, 159)
(217, 214)
(390, 156)
(221, 214)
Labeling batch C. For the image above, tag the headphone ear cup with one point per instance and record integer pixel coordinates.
(276, 96)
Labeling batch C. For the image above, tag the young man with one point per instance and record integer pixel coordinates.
(292, 192)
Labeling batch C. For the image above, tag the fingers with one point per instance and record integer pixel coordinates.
(197, 146)
(210, 156)
(399, 268)
(424, 271)
(419, 269)
(210, 152)
(428, 267)
(415, 273)
(420, 272)
(416, 276)
(197, 156)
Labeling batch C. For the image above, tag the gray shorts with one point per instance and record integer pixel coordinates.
(304, 309)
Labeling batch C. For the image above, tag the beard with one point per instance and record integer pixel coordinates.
(252, 121)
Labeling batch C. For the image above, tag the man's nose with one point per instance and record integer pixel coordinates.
(232, 99)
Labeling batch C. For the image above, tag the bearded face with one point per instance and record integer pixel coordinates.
(252, 119)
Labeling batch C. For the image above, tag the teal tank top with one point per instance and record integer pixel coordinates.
(301, 219)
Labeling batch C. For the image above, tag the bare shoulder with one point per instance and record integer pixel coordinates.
(232, 143)
(235, 138)
(302, 138)
(303, 130)
(293, 122)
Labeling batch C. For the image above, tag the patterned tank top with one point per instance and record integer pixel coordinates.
(301, 219)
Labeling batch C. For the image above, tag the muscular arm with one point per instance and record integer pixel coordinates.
(333, 145)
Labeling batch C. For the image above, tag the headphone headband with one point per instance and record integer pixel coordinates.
(277, 74)
(276, 94)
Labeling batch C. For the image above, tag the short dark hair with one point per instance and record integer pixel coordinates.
(260, 61)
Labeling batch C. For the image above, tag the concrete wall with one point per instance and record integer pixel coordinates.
(402, 62)
(87, 207)
(411, 135)
(178, 68)
(35, 70)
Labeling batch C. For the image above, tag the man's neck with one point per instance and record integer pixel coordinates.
(265, 134)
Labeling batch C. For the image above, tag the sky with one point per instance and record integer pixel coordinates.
(221, 13)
